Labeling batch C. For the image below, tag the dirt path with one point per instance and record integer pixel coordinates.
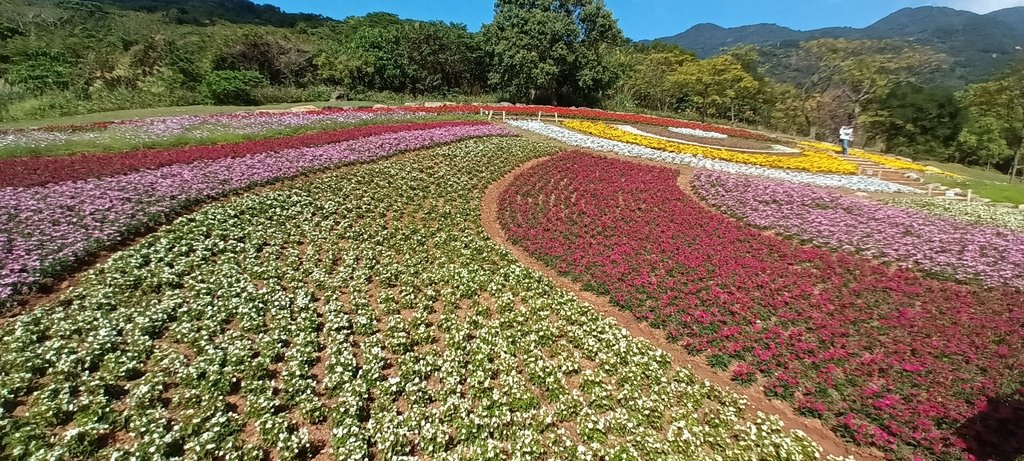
(830, 443)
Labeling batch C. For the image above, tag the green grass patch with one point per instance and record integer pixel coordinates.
(990, 184)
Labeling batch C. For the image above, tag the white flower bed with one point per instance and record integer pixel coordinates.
(859, 183)
(698, 133)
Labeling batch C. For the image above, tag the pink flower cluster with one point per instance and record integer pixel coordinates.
(909, 238)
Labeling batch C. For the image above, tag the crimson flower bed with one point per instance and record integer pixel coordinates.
(37, 171)
(886, 357)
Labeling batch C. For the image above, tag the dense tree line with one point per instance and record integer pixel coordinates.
(74, 56)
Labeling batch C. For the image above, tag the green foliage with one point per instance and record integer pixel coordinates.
(917, 122)
(552, 51)
(42, 70)
(982, 142)
(237, 87)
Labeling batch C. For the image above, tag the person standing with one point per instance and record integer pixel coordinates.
(845, 138)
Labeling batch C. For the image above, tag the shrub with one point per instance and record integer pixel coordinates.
(233, 87)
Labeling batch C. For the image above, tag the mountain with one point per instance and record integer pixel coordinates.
(201, 12)
(979, 45)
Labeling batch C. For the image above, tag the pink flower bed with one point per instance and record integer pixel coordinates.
(910, 238)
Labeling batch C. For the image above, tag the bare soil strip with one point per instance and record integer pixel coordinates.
(830, 443)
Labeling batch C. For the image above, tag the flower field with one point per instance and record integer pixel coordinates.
(361, 315)
(811, 161)
(905, 237)
(698, 133)
(975, 213)
(886, 357)
(47, 228)
(854, 182)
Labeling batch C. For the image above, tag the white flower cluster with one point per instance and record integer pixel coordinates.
(363, 310)
(859, 183)
(698, 133)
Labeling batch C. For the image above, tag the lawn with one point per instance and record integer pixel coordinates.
(990, 184)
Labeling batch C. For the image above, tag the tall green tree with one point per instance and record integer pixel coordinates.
(916, 121)
(552, 50)
(1002, 101)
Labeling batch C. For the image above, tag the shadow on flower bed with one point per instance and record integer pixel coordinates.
(997, 431)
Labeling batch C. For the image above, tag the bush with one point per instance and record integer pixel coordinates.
(284, 94)
(235, 87)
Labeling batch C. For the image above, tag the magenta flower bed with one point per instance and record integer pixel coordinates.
(44, 229)
(909, 238)
(884, 356)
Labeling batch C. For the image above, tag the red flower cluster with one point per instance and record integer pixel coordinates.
(888, 358)
(37, 171)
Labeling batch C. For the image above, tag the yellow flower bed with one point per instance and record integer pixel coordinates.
(883, 160)
(813, 160)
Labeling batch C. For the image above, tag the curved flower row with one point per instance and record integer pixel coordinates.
(573, 138)
(905, 237)
(884, 160)
(886, 357)
(249, 123)
(698, 133)
(968, 212)
(368, 305)
(811, 161)
(36, 171)
(44, 229)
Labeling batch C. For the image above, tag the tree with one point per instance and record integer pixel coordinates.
(982, 142)
(713, 87)
(1002, 101)
(551, 49)
(916, 121)
(852, 72)
(646, 80)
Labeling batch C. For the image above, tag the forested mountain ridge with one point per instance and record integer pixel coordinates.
(199, 12)
(979, 45)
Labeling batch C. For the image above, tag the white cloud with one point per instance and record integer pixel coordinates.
(980, 6)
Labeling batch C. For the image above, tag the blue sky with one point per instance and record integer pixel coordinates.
(643, 19)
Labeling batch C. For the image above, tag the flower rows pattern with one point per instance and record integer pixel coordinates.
(884, 160)
(46, 228)
(905, 237)
(36, 171)
(884, 356)
(362, 315)
(590, 142)
(812, 161)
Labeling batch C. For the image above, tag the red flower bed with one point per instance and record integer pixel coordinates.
(886, 357)
(37, 171)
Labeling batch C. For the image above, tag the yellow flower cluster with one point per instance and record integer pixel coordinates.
(883, 160)
(814, 160)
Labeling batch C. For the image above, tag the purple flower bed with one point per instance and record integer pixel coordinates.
(44, 229)
(905, 237)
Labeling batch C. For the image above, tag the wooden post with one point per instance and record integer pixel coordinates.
(503, 116)
(538, 116)
(930, 187)
(490, 115)
(970, 193)
(556, 117)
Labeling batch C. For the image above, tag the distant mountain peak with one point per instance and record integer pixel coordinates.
(970, 39)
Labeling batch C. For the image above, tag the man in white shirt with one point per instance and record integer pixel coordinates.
(845, 138)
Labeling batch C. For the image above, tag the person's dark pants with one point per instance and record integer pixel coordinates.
(846, 146)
